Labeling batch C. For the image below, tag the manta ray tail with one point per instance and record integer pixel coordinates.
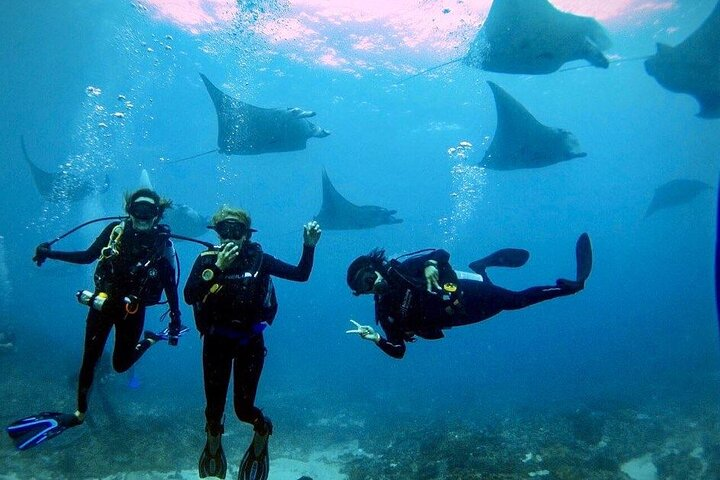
(193, 156)
(428, 70)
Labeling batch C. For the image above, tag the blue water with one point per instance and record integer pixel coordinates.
(644, 329)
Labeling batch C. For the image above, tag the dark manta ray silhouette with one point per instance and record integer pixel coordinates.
(533, 37)
(186, 221)
(245, 129)
(183, 219)
(693, 66)
(520, 141)
(675, 192)
(337, 213)
(61, 186)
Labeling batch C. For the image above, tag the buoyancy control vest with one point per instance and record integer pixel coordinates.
(243, 297)
(131, 264)
(421, 311)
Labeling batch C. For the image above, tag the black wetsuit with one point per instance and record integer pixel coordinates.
(230, 309)
(119, 276)
(407, 309)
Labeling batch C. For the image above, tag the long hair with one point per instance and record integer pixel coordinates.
(162, 203)
(374, 259)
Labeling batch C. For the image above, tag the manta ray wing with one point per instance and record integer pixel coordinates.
(533, 37)
(245, 129)
(693, 66)
(337, 213)
(521, 141)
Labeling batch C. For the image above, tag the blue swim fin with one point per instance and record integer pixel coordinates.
(31, 431)
(134, 383)
(164, 334)
(255, 464)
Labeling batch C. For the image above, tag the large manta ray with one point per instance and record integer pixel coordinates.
(186, 221)
(245, 129)
(61, 186)
(520, 141)
(337, 213)
(675, 192)
(183, 219)
(533, 37)
(693, 67)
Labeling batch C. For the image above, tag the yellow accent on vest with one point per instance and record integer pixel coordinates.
(113, 246)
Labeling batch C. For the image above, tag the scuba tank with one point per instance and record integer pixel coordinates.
(91, 299)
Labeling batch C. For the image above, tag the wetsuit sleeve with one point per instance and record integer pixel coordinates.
(197, 287)
(393, 344)
(169, 281)
(299, 273)
(85, 256)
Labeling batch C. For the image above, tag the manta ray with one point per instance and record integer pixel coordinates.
(61, 186)
(521, 141)
(337, 213)
(183, 219)
(693, 66)
(533, 37)
(674, 193)
(245, 129)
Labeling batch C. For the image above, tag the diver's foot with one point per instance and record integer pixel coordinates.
(570, 286)
(79, 417)
(152, 337)
(212, 461)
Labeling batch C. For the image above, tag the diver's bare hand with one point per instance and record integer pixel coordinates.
(432, 276)
(366, 332)
(227, 255)
(311, 233)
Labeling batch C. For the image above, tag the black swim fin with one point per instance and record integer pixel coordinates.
(583, 255)
(255, 464)
(212, 465)
(506, 257)
(31, 431)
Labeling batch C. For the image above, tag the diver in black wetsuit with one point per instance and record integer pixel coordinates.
(233, 299)
(135, 265)
(423, 295)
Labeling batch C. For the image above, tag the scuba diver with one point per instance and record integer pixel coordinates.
(422, 295)
(233, 300)
(136, 263)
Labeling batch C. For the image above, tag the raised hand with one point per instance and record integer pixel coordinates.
(227, 255)
(366, 332)
(311, 233)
